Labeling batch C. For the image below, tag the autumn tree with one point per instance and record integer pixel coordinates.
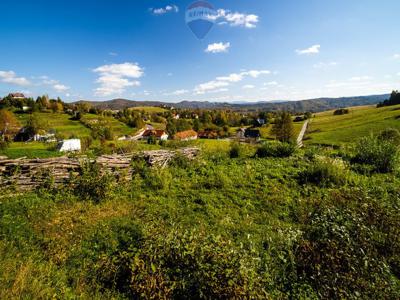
(35, 125)
(9, 125)
(283, 128)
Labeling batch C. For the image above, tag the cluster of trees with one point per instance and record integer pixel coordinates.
(41, 103)
(393, 100)
(341, 111)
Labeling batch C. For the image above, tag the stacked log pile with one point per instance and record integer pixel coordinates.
(26, 174)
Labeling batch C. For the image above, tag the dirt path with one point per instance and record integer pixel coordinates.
(302, 133)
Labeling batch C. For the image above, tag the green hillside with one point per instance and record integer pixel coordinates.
(328, 129)
(60, 122)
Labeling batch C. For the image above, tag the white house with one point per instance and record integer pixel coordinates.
(69, 145)
(49, 137)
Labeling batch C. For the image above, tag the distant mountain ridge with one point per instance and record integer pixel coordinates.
(311, 105)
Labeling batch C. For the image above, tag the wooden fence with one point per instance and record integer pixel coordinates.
(27, 174)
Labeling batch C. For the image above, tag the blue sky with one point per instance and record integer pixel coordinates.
(143, 50)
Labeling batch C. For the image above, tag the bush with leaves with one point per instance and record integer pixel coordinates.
(276, 149)
(92, 184)
(190, 264)
(348, 248)
(390, 135)
(323, 173)
(235, 150)
(380, 154)
(107, 253)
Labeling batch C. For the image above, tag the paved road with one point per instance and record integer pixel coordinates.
(302, 133)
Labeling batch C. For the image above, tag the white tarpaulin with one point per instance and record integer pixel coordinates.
(70, 145)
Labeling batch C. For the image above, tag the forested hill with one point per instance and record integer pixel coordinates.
(312, 105)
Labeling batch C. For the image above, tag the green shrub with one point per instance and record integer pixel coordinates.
(380, 154)
(235, 151)
(189, 264)
(108, 252)
(323, 174)
(341, 111)
(92, 184)
(341, 254)
(4, 145)
(390, 135)
(277, 149)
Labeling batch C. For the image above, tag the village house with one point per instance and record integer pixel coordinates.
(208, 134)
(46, 137)
(252, 134)
(158, 134)
(16, 96)
(188, 135)
(261, 122)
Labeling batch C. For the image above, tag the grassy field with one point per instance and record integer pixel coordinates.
(61, 123)
(327, 129)
(118, 127)
(213, 228)
(266, 130)
(30, 150)
(149, 109)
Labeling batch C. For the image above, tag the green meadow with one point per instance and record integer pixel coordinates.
(327, 129)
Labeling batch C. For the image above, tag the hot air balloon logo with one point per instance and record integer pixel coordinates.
(200, 17)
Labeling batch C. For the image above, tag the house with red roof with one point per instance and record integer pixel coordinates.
(187, 135)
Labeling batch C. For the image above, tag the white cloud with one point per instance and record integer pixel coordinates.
(396, 56)
(271, 83)
(210, 86)
(256, 73)
(11, 77)
(236, 19)
(115, 78)
(218, 47)
(234, 77)
(312, 50)
(248, 87)
(398, 74)
(113, 53)
(180, 92)
(55, 84)
(60, 88)
(224, 81)
(177, 93)
(360, 78)
(325, 65)
(164, 10)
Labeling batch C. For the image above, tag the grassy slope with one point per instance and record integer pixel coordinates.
(118, 127)
(327, 129)
(61, 123)
(149, 109)
(47, 247)
(266, 131)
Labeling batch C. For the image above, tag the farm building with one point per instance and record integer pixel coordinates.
(69, 145)
(188, 135)
(17, 96)
(47, 137)
(158, 134)
(253, 134)
(208, 134)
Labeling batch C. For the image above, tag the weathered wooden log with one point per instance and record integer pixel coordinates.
(27, 174)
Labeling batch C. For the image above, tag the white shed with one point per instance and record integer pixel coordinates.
(70, 145)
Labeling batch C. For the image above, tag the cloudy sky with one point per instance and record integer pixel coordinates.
(143, 50)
